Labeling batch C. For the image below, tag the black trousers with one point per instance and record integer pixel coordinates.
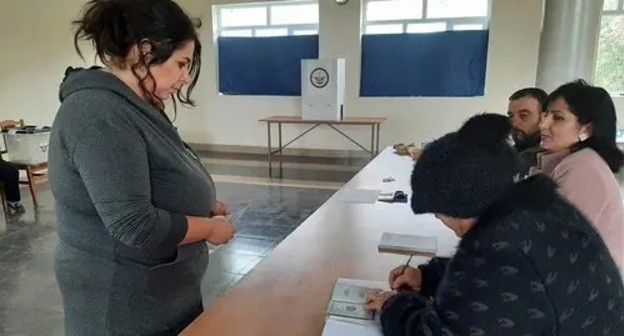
(9, 175)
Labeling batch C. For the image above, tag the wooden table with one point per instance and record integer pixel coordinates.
(373, 122)
(287, 294)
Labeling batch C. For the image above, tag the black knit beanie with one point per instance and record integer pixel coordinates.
(463, 173)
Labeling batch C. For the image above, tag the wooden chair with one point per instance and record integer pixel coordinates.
(7, 124)
(35, 174)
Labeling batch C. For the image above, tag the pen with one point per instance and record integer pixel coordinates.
(407, 263)
(405, 287)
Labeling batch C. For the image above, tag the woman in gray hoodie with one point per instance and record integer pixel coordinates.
(134, 203)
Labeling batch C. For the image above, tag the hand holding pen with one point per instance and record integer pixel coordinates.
(405, 277)
(402, 278)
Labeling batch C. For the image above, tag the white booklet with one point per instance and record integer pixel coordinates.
(408, 244)
(346, 312)
(361, 196)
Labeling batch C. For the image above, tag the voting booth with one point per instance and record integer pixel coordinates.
(323, 89)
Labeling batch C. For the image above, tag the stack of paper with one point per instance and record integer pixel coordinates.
(408, 244)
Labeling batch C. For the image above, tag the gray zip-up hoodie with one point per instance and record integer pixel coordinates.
(124, 181)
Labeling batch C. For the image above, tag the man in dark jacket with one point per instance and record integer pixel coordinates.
(525, 110)
(528, 263)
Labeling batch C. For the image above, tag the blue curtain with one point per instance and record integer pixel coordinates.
(264, 66)
(444, 64)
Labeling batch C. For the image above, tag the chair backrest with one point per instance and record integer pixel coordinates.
(8, 124)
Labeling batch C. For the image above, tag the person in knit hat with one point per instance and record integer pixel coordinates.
(528, 263)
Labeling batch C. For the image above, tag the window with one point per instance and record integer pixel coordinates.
(610, 57)
(260, 46)
(424, 48)
(284, 18)
(424, 16)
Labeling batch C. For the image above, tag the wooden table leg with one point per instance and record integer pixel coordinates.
(377, 145)
(372, 147)
(31, 184)
(269, 146)
(281, 153)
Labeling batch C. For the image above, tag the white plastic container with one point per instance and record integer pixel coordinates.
(27, 148)
(323, 89)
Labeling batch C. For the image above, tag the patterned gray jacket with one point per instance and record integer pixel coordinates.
(533, 265)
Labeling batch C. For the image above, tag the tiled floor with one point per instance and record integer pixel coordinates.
(266, 210)
(265, 215)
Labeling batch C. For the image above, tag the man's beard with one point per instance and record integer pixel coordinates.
(521, 138)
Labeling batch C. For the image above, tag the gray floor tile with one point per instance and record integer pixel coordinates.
(216, 279)
(236, 263)
(248, 245)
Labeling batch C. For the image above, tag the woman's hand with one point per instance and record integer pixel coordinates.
(414, 152)
(405, 278)
(221, 230)
(375, 300)
(216, 230)
(220, 209)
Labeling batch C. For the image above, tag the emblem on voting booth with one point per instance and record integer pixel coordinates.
(319, 78)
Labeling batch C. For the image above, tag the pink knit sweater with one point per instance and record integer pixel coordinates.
(585, 179)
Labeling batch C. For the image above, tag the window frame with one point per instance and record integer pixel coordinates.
(291, 28)
(450, 22)
(618, 11)
(612, 12)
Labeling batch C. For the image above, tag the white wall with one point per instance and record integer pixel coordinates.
(37, 46)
